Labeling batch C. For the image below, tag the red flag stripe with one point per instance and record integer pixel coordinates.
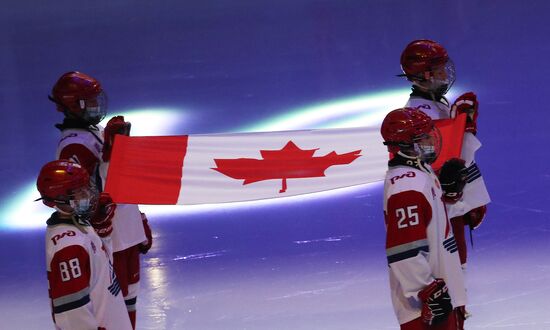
(452, 134)
(146, 170)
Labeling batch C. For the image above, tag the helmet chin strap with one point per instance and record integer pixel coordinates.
(78, 221)
(62, 212)
(402, 154)
(415, 161)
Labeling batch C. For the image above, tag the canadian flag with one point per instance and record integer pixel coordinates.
(220, 168)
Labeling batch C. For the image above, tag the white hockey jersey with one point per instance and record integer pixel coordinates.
(83, 288)
(84, 147)
(475, 192)
(420, 245)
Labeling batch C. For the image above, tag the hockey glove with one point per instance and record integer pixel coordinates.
(452, 177)
(146, 245)
(436, 302)
(101, 220)
(115, 125)
(467, 103)
(475, 217)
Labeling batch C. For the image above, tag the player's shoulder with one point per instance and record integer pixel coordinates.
(406, 178)
(62, 235)
(420, 103)
(434, 109)
(72, 135)
(80, 139)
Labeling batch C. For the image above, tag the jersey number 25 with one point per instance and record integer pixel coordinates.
(407, 217)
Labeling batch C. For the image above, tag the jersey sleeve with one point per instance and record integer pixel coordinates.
(408, 215)
(69, 282)
(475, 191)
(80, 154)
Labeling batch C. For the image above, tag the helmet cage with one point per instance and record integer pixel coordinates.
(438, 79)
(427, 146)
(94, 109)
(84, 200)
(91, 110)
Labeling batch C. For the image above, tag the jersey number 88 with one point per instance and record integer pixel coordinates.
(69, 269)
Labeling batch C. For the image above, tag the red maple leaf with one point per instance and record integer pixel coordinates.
(290, 162)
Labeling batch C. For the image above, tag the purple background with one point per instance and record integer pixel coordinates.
(312, 264)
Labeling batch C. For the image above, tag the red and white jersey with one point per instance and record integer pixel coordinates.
(475, 192)
(420, 245)
(83, 288)
(84, 146)
(435, 109)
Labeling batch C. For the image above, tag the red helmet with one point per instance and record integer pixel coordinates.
(427, 56)
(408, 129)
(59, 179)
(79, 95)
(422, 55)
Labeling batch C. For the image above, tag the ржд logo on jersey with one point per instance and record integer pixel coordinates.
(57, 237)
(409, 174)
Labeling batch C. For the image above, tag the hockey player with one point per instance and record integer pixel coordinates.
(426, 64)
(83, 288)
(83, 103)
(426, 280)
